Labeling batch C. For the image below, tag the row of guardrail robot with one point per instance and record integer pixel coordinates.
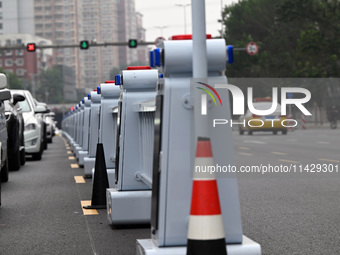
(143, 121)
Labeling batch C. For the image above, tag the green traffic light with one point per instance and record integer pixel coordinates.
(132, 43)
(84, 45)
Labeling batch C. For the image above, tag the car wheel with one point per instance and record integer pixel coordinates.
(37, 156)
(4, 172)
(274, 132)
(14, 161)
(22, 157)
(241, 132)
(284, 132)
(250, 132)
(45, 138)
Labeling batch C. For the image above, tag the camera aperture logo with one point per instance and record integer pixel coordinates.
(204, 97)
(239, 105)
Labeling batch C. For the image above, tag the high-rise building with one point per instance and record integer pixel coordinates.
(127, 29)
(98, 23)
(24, 64)
(142, 51)
(69, 22)
(57, 20)
(17, 17)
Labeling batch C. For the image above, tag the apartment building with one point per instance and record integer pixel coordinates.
(24, 64)
(69, 22)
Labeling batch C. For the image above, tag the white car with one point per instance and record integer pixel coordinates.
(34, 126)
(50, 126)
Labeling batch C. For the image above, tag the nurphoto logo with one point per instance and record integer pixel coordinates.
(239, 104)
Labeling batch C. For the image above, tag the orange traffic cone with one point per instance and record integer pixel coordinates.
(206, 232)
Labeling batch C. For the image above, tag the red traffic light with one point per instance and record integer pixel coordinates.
(31, 47)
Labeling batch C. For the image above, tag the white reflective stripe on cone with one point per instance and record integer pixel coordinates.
(204, 168)
(201, 227)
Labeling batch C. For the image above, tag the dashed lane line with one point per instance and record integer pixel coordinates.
(87, 211)
(279, 153)
(289, 161)
(245, 154)
(71, 158)
(254, 141)
(244, 148)
(74, 166)
(321, 142)
(79, 179)
(69, 152)
(329, 160)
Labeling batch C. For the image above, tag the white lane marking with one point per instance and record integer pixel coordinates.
(289, 161)
(330, 160)
(245, 154)
(244, 148)
(257, 142)
(321, 142)
(278, 153)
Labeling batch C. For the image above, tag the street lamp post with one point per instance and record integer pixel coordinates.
(185, 19)
(161, 29)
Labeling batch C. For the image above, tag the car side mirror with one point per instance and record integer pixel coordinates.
(5, 95)
(41, 109)
(18, 98)
(3, 81)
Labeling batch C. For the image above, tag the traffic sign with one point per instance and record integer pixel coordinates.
(252, 48)
(159, 40)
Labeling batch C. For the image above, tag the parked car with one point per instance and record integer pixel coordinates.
(50, 126)
(4, 95)
(34, 125)
(271, 123)
(42, 116)
(15, 132)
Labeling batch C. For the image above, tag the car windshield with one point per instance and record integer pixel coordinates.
(267, 106)
(25, 107)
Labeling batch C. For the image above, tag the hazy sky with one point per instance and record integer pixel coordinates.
(165, 13)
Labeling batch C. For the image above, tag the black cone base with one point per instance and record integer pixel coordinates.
(101, 181)
(94, 207)
(206, 247)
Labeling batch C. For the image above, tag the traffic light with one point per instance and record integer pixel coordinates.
(31, 47)
(133, 43)
(84, 45)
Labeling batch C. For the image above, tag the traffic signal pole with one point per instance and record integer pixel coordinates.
(58, 46)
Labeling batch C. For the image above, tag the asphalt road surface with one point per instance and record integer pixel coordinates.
(291, 213)
(287, 213)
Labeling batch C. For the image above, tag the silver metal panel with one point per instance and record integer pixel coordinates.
(128, 207)
(148, 247)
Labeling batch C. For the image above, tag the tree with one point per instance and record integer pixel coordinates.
(296, 39)
(13, 81)
(51, 85)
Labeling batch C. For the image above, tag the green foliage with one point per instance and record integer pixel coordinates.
(13, 81)
(296, 38)
(51, 85)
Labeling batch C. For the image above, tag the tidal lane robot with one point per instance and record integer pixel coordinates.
(173, 149)
(130, 201)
